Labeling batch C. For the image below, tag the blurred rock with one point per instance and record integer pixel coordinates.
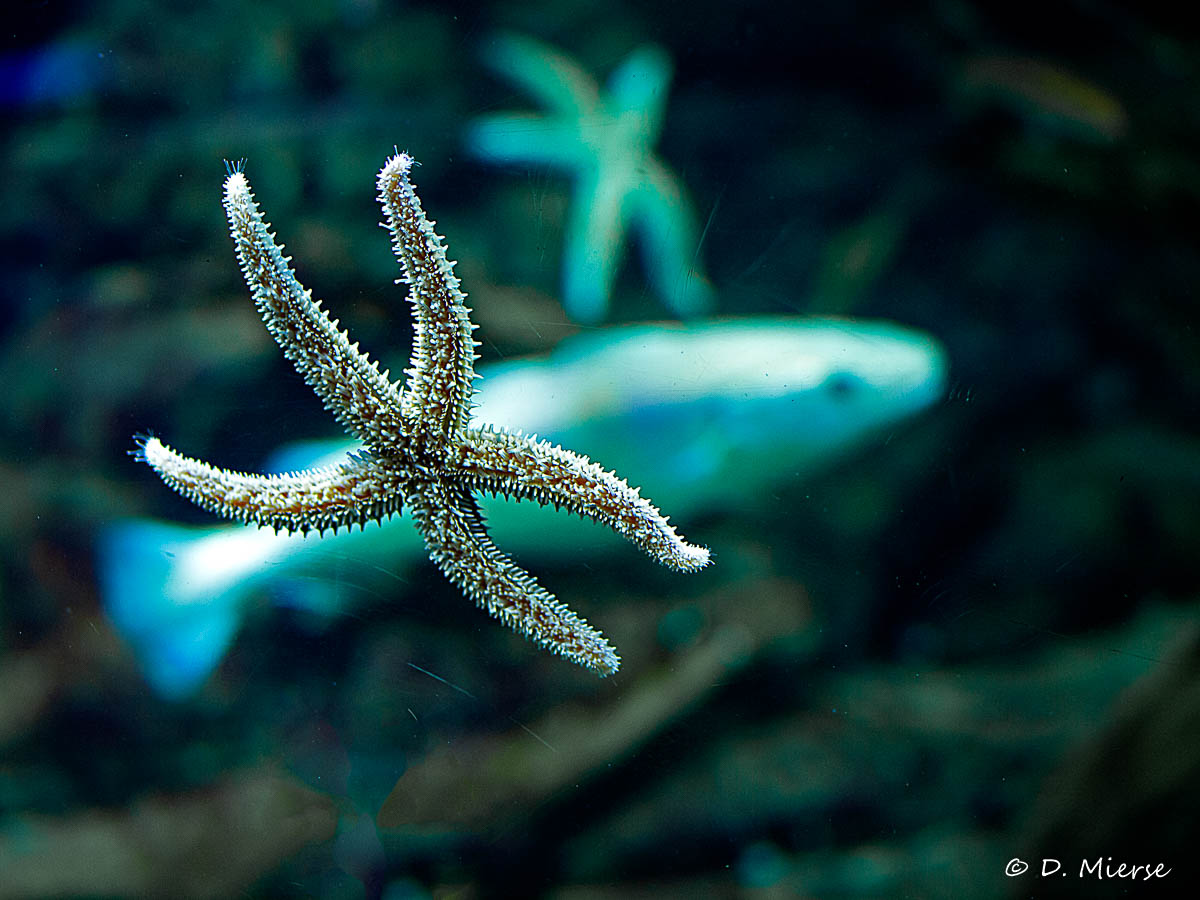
(212, 843)
(1128, 794)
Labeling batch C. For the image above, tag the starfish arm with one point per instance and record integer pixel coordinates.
(527, 138)
(663, 216)
(362, 398)
(362, 489)
(639, 86)
(442, 367)
(525, 468)
(457, 539)
(593, 242)
(556, 80)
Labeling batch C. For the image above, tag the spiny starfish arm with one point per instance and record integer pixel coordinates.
(362, 489)
(453, 527)
(525, 468)
(362, 398)
(442, 368)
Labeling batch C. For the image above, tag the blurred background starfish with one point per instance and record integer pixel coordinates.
(606, 140)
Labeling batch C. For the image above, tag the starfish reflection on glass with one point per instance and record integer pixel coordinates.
(420, 449)
(606, 140)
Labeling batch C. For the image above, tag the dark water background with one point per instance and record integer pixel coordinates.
(973, 640)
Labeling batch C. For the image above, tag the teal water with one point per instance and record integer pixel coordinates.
(964, 640)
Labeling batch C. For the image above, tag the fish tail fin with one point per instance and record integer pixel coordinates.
(178, 627)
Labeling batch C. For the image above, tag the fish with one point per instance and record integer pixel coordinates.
(706, 416)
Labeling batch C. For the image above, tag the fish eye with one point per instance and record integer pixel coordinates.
(842, 385)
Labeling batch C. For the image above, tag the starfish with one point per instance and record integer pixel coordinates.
(606, 140)
(420, 449)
